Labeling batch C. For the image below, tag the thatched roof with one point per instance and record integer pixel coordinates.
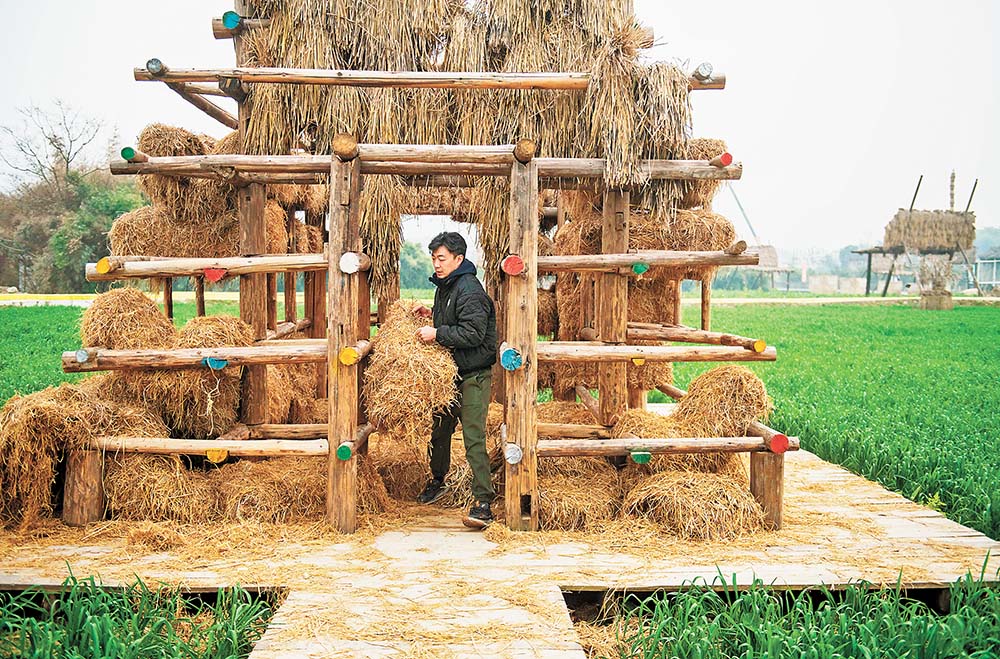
(930, 231)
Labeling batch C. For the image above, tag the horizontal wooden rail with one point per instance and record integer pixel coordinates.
(774, 438)
(573, 430)
(123, 268)
(348, 448)
(287, 328)
(272, 352)
(422, 79)
(649, 258)
(552, 448)
(250, 447)
(654, 169)
(654, 332)
(577, 351)
(220, 31)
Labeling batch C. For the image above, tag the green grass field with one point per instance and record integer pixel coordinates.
(906, 397)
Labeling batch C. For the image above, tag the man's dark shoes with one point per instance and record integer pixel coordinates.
(432, 492)
(480, 516)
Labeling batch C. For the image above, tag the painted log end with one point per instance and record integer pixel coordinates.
(344, 452)
(512, 265)
(778, 443)
(759, 345)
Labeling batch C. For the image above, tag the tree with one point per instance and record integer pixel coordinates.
(48, 145)
(414, 267)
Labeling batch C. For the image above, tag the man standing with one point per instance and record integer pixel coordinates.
(465, 323)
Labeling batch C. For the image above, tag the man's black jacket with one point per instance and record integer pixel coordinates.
(465, 319)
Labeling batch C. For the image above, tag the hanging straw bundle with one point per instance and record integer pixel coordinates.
(663, 101)
(406, 381)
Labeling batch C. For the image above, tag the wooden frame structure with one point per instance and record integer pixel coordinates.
(338, 306)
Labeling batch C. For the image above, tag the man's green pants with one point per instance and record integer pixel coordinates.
(470, 408)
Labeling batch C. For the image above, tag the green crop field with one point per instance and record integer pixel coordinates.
(768, 624)
(906, 397)
(84, 620)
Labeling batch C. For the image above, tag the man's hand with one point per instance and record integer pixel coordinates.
(421, 311)
(427, 334)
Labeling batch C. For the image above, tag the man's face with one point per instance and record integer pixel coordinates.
(445, 262)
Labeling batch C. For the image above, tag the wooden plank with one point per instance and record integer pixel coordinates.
(615, 262)
(669, 445)
(612, 307)
(307, 351)
(577, 351)
(521, 301)
(253, 298)
(343, 329)
(249, 447)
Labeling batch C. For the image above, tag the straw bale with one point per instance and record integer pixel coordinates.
(696, 506)
(724, 401)
(150, 231)
(230, 144)
(700, 193)
(308, 239)
(699, 230)
(138, 486)
(36, 429)
(548, 312)
(570, 502)
(564, 412)
(406, 381)
(276, 227)
(937, 230)
(273, 490)
(125, 319)
(199, 402)
(404, 468)
(280, 392)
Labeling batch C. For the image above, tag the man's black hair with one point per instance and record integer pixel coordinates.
(451, 241)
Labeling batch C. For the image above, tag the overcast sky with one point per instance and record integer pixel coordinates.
(834, 108)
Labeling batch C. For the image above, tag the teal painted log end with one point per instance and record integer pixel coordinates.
(231, 20)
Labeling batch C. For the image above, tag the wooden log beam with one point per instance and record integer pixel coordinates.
(417, 79)
(145, 268)
(588, 400)
(551, 448)
(654, 169)
(520, 301)
(253, 298)
(83, 494)
(271, 352)
(573, 430)
(289, 431)
(287, 328)
(206, 106)
(199, 296)
(578, 351)
(651, 258)
(168, 298)
(249, 447)
(349, 447)
(220, 31)
(655, 332)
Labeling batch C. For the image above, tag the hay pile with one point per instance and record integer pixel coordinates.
(931, 231)
(699, 194)
(576, 493)
(36, 429)
(406, 382)
(125, 319)
(698, 495)
(548, 312)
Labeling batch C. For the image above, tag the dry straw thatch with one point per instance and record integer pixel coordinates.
(695, 505)
(699, 194)
(548, 312)
(125, 319)
(35, 430)
(930, 231)
(406, 381)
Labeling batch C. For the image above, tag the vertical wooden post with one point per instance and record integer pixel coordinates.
(587, 304)
(767, 485)
(495, 289)
(272, 301)
(199, 296)
(342, 330)
(83, 494)
(315, 307)
(677, 302)
(168, 297)
(868, 275)
(291, 312)
(706, 301)
(612, 307)
(560, 212)
(637, 399)
(520, 297)
(253, 297)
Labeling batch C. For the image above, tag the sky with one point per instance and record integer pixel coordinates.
(835, 109)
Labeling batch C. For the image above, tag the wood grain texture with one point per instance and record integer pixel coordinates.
(83, 494)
